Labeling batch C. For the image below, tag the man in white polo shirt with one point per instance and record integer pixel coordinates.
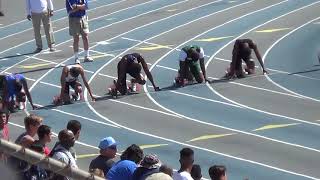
(41, 10)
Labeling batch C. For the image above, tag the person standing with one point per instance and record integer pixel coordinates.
(1, 13)
(41, 11)
(78, 25)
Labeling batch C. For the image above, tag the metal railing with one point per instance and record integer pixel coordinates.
(53, 165)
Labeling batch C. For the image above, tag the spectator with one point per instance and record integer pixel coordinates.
(125, 168)
(4, 130)
(186, 162)
(78, 24)
(196, 172)
(1, 13)
(159, 176)
(108, 150)
(41, 10)
(45, 137)
(62, 151)
(75, 127)
(166, 169)
(218, 172)
(31, 123)
(149, 165)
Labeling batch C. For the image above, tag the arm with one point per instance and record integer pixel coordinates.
(28, 10)
(203, 69)
(182, 66)
(63, 82)
(149, 75)
(27, 141)
(50, 7)
(26, 90)
(86, 84)
(256, 51)
(235, 54)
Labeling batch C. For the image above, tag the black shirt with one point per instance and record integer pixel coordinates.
(103, 163)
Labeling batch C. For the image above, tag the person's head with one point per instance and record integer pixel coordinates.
(133, 153)
(97, 172)
(32, 123)
(218, 172)
(44, 133)
(66, 138)
(196, 172)
(186, 158)
(194, 54)
(108, 147)
(75, 71)
(75, 127)
(3, 118)
(151, 161)
(166, 169)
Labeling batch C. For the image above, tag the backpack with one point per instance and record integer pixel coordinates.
(35, 172)
(52, 175)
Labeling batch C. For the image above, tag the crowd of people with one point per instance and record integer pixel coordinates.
(132, 164)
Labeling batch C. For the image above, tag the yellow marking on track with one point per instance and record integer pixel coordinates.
(82, 156)
(110, 19)
(147, 146)
(36, 65)
(271, 30)
(210, 136)
(153, 47)
(213, 39)
(316, 23)
(102, 55)
(232, 1)
(172, 10)
(274, 126)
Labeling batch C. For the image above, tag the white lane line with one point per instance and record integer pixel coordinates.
(258, 88)
(65, 17)
(206, 99)
(78, 116)
(278, 71)
(275, 43)
(251, 108)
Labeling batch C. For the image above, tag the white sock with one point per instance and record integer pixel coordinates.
(86, 53)
(76, 55)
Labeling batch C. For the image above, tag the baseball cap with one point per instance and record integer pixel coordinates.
(151, 161)
(107, 142)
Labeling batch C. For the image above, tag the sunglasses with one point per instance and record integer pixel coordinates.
(112, 147)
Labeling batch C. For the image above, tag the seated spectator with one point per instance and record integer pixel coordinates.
(31, 124)
(62, 151)
(75, 127)
(159, 176)
(166, 169)
(45, 137)
(4, 130)
(97, 172)
(218, 172)
(196, 172)
(149, 165)
(186, 162)
(108, 150)
(125, 168)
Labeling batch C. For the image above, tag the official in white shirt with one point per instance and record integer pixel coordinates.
(41, 10)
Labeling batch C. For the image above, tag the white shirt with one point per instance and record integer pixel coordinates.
(65, 156)
(70, 78)
(38, 6)
(182, 176)
(183, 55)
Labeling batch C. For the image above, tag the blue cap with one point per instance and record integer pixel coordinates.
(107, 142)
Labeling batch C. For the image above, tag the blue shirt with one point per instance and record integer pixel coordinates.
(79, 13)
(10, 83)
(122, 170)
